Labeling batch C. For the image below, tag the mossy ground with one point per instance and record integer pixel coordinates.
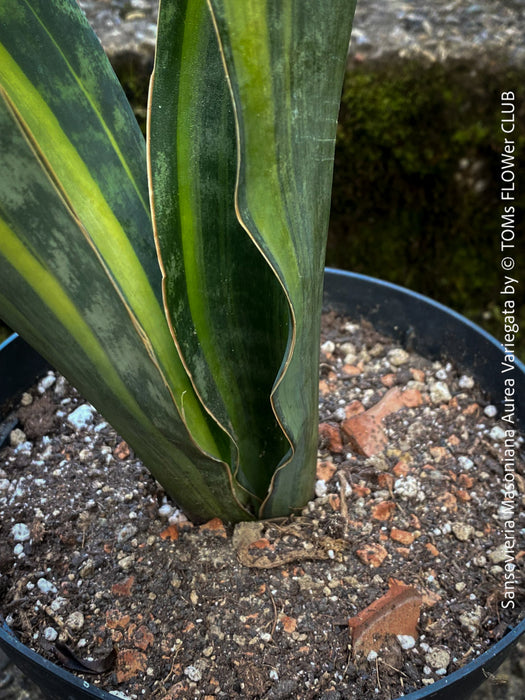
(416, 197)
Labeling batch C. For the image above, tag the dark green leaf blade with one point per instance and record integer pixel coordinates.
(78, 254)
(228, 311)
(285, 61)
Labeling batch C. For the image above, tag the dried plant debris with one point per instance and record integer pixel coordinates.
(93, 556)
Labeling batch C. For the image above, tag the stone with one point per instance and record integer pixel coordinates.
(398, 357)
(462, 531)
(75, 621)
(45, 586)
(20, 532)
(438, 658)
(17, 437)
(81, 417)
(440, 393)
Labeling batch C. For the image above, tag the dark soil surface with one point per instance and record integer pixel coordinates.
(96, 563)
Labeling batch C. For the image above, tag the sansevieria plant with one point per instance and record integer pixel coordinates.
(177, 280)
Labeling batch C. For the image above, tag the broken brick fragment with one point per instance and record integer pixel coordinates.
(384, 510)
(114, 619)
(354, 408)
(325, 470)
(122, 450)
(141, 637)
(402, 536)
(130, 663)
(330, 437)
(372, 554)
(388, 379)
(396, 612)
(432, 549)
(215, 526)
(170, 533)
(364, 431)
(289, 623)
(123, 588)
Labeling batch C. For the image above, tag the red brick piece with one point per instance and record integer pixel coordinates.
(396, 612)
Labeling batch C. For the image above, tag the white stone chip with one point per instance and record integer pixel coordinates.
(20, 532)
(398, 357)
(46, 586)
(81, 417)
(465, 462)
(490, 411)
(321, 489)
(46, 382)
(193, 673)
(497, 434)
(465, 382)
(75, 621)
(406, 641)
(440, 393)
(50, 634)
(438, 658)
(328, 347)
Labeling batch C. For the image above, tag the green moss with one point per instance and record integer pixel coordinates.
(416, 196)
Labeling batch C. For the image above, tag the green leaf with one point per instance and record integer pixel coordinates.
(80, 276)
(242, 128)
(227, 308)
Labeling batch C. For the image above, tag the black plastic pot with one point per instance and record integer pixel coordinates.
(418, 322)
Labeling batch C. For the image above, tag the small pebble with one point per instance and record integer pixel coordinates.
(26, 399)
(471, 620)
(406, 487)
(126, 562)
(462, 531)
(126, 533)
(46, 382)
(406, 641)
(465, 462)
(20, 532)
(75, 621)
(497, 434)
(438, 658)
(193, 673)
(165, 511)
(440, 393)
(466, 382)
(398, 357)
(17, 437)
(490, 411)
(81, 417)
(60, 386)
(498, 555)
(321, 489)
(339, 414)
(50, 634)
(328, 347)
(46, 586)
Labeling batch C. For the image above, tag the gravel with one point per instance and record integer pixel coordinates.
(438, 31)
